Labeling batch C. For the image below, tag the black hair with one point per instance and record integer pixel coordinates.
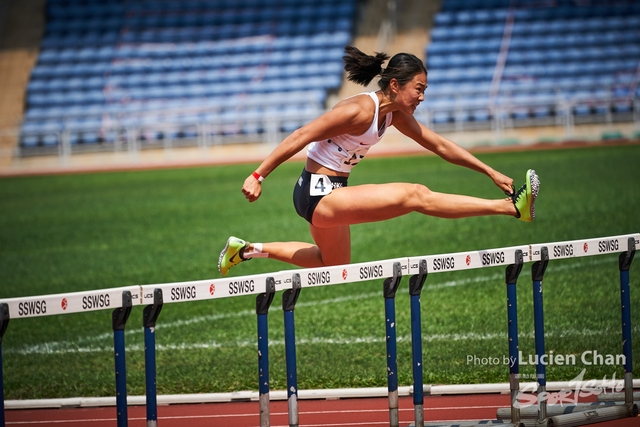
(362, 68)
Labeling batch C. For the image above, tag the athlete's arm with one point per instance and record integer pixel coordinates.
(353, 117)
(447, 149)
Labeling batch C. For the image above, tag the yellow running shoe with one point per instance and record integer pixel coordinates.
(525, 197)
(231, 254)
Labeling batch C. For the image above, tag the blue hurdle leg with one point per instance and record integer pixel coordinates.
(289, 299)
(150, 376)
(292, 374)
(625, 260)
(537, 273)
(263, 368)
(149, 318)
(416, 340)
(512, 273)
(392, 360)
(415, 288)
(4, 322)
(2, 422)
(390, 288)
(119, 319)
(121, 378)
(263, 302)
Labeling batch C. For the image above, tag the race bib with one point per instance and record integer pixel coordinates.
(320, 185)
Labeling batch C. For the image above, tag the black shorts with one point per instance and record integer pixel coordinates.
(303, 201)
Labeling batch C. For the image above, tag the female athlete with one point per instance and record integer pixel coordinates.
(338, 140)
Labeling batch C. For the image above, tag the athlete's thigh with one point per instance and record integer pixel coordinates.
(334, 244)
(365, 203)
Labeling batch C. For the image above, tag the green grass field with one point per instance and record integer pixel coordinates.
(89, 231)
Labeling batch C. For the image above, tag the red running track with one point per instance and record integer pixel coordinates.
(312, 413)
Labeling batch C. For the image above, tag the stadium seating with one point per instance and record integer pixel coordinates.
(113, 64)
(165, 68)
(583, 54)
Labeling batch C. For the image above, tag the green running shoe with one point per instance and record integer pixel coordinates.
(231, 255)
(525, 197)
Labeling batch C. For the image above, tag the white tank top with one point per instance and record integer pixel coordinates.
(343, 152)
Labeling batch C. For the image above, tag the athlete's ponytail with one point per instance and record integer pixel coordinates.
(362, 68)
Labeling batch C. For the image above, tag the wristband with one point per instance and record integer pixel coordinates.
(257, 176)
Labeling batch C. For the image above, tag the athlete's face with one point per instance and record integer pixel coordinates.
(412, 94)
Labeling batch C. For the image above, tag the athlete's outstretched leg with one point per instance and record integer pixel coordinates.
(333, 247)
(378, 202)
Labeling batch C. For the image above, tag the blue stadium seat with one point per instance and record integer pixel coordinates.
(480, 114)
(91, 56)
(439, 117)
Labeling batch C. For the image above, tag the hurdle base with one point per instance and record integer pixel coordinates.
(478, 423)
(531, 412)
(533, 422)
(618, 397)
(594, 416)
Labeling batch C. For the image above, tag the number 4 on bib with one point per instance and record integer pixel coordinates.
(320, 185)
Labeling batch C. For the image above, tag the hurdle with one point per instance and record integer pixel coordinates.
(511, 257)
(579, 414)
(295, 280)
(121, 300)
(155, 296)
(392, 271)
(291, 282)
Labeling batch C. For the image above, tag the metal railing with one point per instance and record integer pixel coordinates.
(271, 128)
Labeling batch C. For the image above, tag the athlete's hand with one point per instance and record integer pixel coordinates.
(503, 182)
(252, 188)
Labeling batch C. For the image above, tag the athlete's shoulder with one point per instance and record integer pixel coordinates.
(359, 107)
(361, 100)
(400, 118)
